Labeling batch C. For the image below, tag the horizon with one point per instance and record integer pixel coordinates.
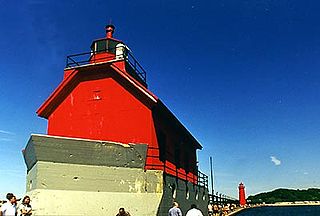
(242, 77)
(296, 189)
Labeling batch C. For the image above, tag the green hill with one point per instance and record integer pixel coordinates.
(286, 195)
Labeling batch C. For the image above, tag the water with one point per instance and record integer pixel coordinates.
(282, 211)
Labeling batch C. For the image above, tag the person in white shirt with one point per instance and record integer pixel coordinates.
(10, 207)
(194, 211)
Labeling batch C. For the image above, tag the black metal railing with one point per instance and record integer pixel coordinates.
(132, 65)
(220, 198)
(202, 180)
(135, 65)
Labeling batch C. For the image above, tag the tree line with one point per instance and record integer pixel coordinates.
(286, 195)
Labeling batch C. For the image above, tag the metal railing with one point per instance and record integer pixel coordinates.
(86, 58)
(135, 65)
(220, 198)
(200, 179)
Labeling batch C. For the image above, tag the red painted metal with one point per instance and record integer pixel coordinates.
(102, 57)
(109, 31)
(242, 195)
(102, 110)
(104, 102)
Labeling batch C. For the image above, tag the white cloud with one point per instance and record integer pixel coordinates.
(6, 135)
(275, 160)
(5, 139)
(6, 132)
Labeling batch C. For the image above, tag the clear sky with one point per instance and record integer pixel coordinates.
(242, 76)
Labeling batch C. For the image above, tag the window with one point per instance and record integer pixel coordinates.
(105, 46)
(101, 46)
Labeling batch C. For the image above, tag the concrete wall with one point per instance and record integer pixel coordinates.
(61, 189)
(83, 151)
(86, 177)
(65, 203)
(61, 176)
(72, 189)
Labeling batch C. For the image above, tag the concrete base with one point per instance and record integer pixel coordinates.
(72, 189)
(70, 202)
(75, 177)
(81, 177)
(63, 202)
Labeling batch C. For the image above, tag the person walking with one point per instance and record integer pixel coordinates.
(10, 207)
(194, 211)
(175, 210)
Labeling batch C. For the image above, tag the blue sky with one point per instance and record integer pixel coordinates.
(242, 76)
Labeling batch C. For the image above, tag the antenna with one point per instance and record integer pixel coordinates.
(212, 179)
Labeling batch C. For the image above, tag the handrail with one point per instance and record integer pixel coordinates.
(76, 60)
(222, 199)
(200, 180)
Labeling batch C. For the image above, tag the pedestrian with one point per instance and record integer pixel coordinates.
(122, 212)
(9, 208)
(175, 210)
(25, 208)
(210, 209)
(194, 211)
(215, 210)
(225, 209)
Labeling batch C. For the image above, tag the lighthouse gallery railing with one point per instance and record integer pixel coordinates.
(86, 58)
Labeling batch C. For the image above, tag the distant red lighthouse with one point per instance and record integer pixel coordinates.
(242, 194)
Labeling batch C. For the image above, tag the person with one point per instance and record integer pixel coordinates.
(175, 210)
(210, 209)
(216, 211)
(122, 212)
(225, 209)
(10, 207)
(194, 211)
(25, 208)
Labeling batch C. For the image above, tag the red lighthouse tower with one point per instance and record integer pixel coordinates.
(112, 140)
(242, 195)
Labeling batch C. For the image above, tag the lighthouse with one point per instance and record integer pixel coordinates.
(242, 195)
(111, 142)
